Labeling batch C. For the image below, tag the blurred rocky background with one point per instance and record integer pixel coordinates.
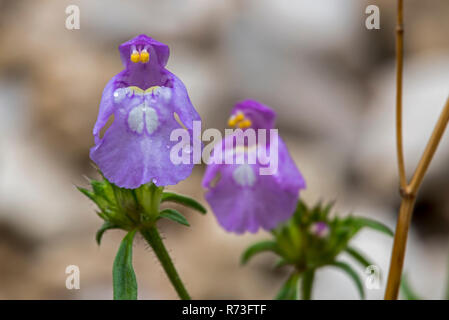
(329, 78)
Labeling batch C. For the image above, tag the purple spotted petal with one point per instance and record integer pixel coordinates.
(143, 99)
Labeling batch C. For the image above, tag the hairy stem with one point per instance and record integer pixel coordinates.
(152, 236)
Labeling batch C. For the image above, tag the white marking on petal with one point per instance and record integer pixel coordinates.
(143, 116)
(120, 94)
(151, 119)
(135, 119)
(244, 175)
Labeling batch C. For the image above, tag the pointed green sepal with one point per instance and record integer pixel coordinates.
(87, 193)
(101, 203)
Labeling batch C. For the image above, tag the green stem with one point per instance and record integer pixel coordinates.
(307, 284)
(152, 236)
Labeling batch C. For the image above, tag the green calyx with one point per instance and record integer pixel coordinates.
(312, 239)
(135, 209)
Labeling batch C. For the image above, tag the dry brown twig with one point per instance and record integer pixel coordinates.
(409, 190)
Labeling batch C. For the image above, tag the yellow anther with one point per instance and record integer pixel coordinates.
(144, 56)
(239, 117)
(135, 57)
(245, 124)
(232, 122)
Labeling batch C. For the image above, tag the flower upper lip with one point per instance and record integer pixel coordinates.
(260, 115)
(158, 51)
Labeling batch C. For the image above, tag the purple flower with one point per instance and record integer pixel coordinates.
(241, 197)
(145, 99)
(320, 229)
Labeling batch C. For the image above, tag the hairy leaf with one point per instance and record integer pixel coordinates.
(123, 276)
(184, 200)
(174, 215)
(106, 226)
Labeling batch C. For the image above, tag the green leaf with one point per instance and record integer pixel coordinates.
(289, 290)
(106, 226)
(184, 200)
(372, 224)
(174, 215)
(352, 274)
(407, 290)
(307, 283)
(358, 257)
(267, 245)
(123, 276)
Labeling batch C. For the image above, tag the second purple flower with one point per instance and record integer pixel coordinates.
(241, 197)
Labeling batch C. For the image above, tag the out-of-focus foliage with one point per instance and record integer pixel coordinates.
(313, 239)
